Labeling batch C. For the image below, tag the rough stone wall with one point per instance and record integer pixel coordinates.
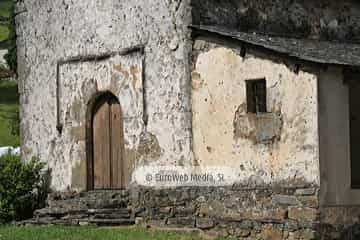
(325, 19)
(50, 31)
(276, 147)
(240, 212)
(340, 222)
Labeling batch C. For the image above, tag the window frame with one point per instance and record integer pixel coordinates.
(256, 96)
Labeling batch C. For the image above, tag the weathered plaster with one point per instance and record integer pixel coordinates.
(66, 29)
(260, 128)
(153, 88)
(285, 145)
(98, 77)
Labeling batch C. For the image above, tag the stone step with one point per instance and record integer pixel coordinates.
(111, 222)
(90, 195)
(58, 212)
(89, 203)
(81, 221)
(112, 216)
(106, 208)
(75, 217)
(120, 194)
(122, 213)
(109, 211)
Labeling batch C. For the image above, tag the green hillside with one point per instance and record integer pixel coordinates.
(9, 105)
(4, 32)
(5, 8)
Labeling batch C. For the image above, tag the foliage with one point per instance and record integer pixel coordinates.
(23, 186)
(11, 56)
(90, 233)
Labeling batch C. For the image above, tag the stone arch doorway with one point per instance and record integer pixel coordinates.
(105, 144)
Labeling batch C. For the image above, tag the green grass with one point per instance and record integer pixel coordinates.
(8, 107)
(5, 7)
(89, 233)
(4, 32)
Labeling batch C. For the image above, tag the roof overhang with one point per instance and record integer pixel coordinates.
(313, 51)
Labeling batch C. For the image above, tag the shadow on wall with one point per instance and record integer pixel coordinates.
(328, 231)
(352, 232)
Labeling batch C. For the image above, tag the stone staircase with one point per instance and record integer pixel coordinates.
(104, 208)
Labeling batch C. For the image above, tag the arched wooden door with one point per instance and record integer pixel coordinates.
(108, 144)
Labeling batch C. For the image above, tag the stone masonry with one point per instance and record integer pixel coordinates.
(238, 211)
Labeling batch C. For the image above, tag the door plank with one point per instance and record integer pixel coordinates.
(116, 145)
(101, 140)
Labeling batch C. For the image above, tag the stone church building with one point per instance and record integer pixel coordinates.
(266, 92)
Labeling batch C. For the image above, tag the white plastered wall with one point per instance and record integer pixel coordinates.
(219, 94)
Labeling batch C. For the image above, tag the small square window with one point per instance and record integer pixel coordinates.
(256, 95)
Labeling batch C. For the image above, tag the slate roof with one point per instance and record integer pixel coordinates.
(322, 52)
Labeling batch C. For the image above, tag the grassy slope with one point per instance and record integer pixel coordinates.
(8, 91)
(89, 233)
(8, 107)
(4, 32)
(5, 6)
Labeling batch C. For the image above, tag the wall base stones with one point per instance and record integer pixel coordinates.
(235, 212)
(263, 213)
(340, 222)
(241, 213)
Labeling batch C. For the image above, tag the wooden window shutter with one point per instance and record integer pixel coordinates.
(256, 95)
(250, 97)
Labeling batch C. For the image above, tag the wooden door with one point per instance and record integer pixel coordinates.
(108, 145)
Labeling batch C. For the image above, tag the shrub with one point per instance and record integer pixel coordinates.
(23, 187)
